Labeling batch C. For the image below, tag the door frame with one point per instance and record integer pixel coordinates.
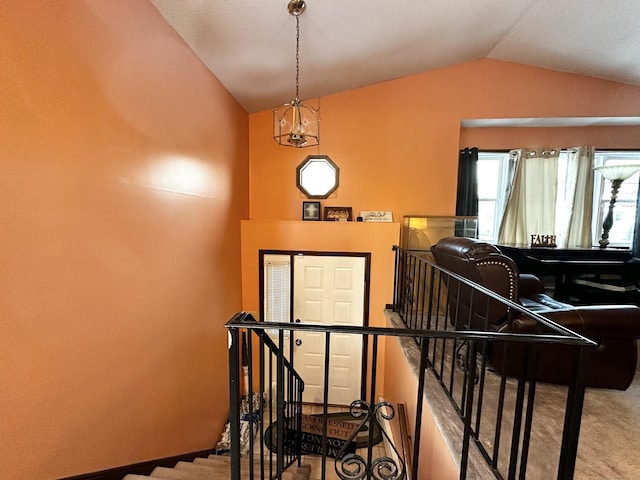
(365, 311)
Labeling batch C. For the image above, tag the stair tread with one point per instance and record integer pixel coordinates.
(193, 467)
(177, 474)
(218, 467)
(219, 460)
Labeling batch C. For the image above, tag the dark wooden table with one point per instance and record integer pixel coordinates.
(565, 263)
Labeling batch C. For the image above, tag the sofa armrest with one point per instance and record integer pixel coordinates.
(529, 284)
(612, 364)
(610, 321)
(596, 322)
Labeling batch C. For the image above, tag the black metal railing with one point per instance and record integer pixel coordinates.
(497, 412)
(283, 403)
(352, 456)
(494, 419)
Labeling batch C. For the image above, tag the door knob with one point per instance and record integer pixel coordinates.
(298, 342)
(297, 320)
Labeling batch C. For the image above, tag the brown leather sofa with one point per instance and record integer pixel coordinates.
(615, 328)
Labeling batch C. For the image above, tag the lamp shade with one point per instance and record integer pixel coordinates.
(618, 172)
(296, 124)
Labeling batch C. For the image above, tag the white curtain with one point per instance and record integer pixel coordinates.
(575, 218)
(514, 160)
(531, 205)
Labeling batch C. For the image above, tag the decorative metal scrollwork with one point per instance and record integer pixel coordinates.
(352, 466)
(461, 358)
(407, 300)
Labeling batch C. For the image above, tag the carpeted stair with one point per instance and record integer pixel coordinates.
(215, 467)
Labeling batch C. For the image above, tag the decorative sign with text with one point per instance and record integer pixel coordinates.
(338, 434)
(376, 216)
(543, 240)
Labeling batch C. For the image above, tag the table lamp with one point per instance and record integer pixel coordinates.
(616, 174)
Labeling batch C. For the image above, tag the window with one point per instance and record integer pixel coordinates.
(494, 180)
(317, 176)
(277, 289)
(624, 213)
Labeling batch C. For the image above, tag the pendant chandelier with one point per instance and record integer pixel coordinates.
(296, 124)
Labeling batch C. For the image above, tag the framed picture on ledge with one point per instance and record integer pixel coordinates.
(311, 211)
(338, 214)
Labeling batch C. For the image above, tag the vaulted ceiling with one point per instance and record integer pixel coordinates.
(250, 44)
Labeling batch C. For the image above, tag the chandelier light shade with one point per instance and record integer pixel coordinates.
(616, 174)
(296, 124)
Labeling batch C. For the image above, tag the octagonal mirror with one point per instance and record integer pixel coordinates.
(317, 176)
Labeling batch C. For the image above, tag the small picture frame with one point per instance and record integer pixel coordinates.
(311, 211)
(338, 214)
(376, 216)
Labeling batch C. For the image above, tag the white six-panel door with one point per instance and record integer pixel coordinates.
(329, 290)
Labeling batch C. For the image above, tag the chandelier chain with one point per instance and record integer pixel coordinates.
(297, 56)
(296, 124)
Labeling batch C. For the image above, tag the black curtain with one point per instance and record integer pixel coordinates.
(467, 197)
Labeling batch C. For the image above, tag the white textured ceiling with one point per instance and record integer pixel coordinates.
(250, 44)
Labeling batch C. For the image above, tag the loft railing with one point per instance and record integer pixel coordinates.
(350, 455)
(495, 417)
(283, 403)
(421, 300)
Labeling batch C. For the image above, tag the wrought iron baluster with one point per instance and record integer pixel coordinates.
(351, 466)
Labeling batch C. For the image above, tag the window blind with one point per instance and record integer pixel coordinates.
(277, 290)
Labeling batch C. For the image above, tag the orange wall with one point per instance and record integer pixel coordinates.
(435, 462)
(397, 142)
(376, 238)
(618, 137)
(123, 179)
